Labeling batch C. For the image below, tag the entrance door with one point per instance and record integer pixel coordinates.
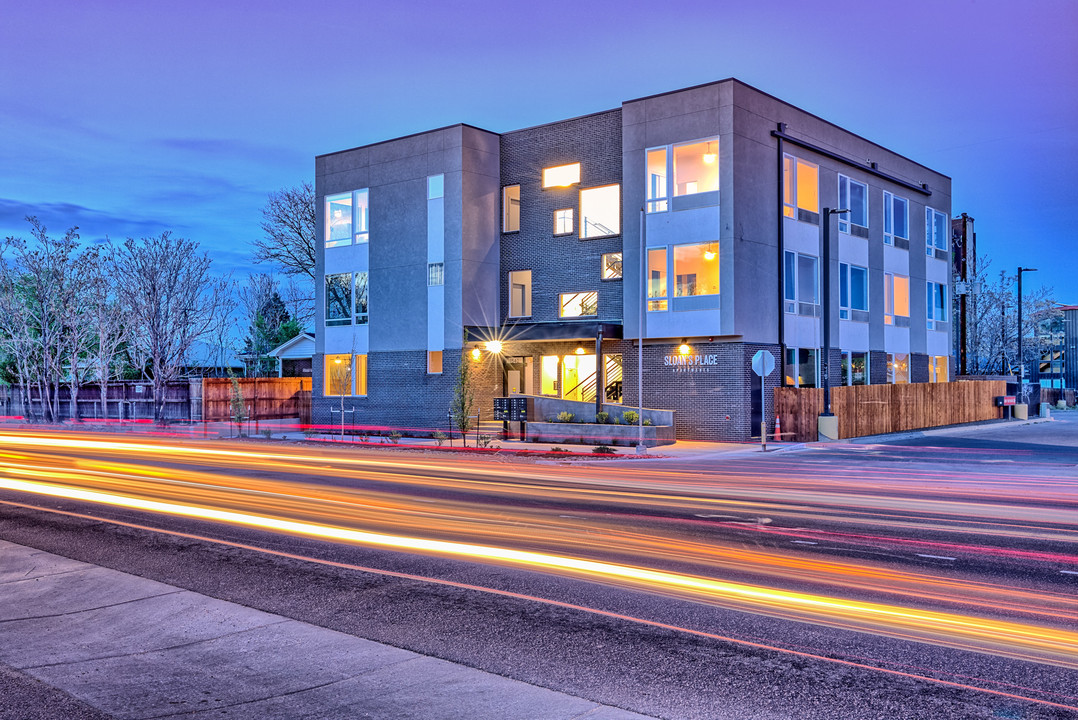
(578, 377)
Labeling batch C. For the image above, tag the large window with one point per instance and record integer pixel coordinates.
(548, 374)
(338, 379)
(563, 221)
(361, 298)
(801, 367)
(561, 176)
(801, 284)
(800, 189)
(936, 235)
(511, 208)
(853, 303)
(898, 368)
(657, 279)
(896, 300)
(938, 368)
(936, 303)
(612, 266)
(581, 304)
(520, 293)
(854, 368)
(853, 196)
(694, 167)
(896, 221)
(600, 211)
(339, 299)
(696, 269)
(346, 218)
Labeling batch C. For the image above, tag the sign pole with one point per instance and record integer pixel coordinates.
(763, 364)
(763, 415)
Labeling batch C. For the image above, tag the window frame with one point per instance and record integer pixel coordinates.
(526, 298)
(890, 314)
(435, 186)
(431, 355)
(655, 203)
(604, 265)
(794, 380)
(583, 224)
(936, 304)
(846, 370)
(658, 302)
(342, 318)
(560, 217)
(791, 181)
(508, 207)
(327, 362)
(435, 274)
(361, 317)
(890, 201)
(792, 305)
(846, 304)
(359, 222)
(571, 295)
(548, 182)
(674, 267)
(845, 220)
(933, 241)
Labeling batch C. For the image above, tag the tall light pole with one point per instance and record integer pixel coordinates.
(1021, 359)
(825, 374)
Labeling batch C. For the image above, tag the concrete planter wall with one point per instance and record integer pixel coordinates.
(546, 409)
(596, 434)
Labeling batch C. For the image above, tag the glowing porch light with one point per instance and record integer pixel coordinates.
(493, 346)
(476, 354)
(580, 351)
(684, 349)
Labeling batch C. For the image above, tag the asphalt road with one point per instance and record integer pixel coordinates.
(861, 561)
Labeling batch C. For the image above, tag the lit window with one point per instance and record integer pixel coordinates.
(657, 189)
(696, 269)
(338, 220)
(612, 266)
(657, 278)
(896, 221)
(853, 294)
(520, 293)
(434, 361)
(852, 196)
(581, 304)
(511, 208)
(938, 368)
(435, 186)
(339, 299)
(600, 211)
(696, 167)
(563, 221)
(898, 368)
(612, 377)
(801, 367)
(561, 176)
(936, 235)
(361, 298)
(548, 378)
(896, 300)
(936, 304)
(854, 368)
(435, 274)
(800, 188)
(338, 380)
(361, 374)
(800, 282)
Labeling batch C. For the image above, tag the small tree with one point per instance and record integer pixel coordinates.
(460, 409)
(236, 405)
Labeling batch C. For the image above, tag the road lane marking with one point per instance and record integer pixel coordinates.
(1069, 572)
(935, 557)
(804, 542)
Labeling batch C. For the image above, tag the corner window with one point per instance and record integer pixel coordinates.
(600, 211)
(694, 167)
(898, 368)
(935, 231)
(896, 227)
(339, 299)
(657, 192)
(346, 216)
(854, 368)
(561, 176)
(853, 294)
(612, 266)
(435, 274)
(434, 362)
(511, 208)
(563, 221)
(520, 293)
(435, 186)
(800, 189)
(896, 300)
(361, 298)
(800, 282)
(801, 366)
(853, 195)
(696, 269)
(936, 303)
(582, 304)
(361, 374)
(657, 279)
(338, 378)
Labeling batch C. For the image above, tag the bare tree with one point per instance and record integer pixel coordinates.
(105, 318)
(288, 221)
(993, 323)
(170, 300)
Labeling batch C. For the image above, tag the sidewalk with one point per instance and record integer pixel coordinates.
(136, 648)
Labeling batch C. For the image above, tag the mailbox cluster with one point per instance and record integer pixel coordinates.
(512, 409)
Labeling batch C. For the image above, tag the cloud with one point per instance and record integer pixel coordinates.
(93, 224)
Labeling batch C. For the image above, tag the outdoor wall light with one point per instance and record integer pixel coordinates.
(580, 351)
(476, 354)
(684, 349)
(494, 346)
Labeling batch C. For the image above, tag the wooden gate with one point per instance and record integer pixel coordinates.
(263, 398)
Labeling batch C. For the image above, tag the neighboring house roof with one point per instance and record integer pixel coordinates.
(301, 346)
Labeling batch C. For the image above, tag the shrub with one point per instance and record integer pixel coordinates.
(602, 417)
(309, 433)
(486, 441)
(440, 438)
(647, 421)
(395, 437)
(268, 434)
(603, 450)
(558, 449)
(566, 417)
(630, 417)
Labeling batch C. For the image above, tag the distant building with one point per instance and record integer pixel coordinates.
(438, 243)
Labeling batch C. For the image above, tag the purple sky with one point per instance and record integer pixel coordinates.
(128, 118)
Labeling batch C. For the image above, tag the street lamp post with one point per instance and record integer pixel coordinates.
(1021, 358)
(825, 374)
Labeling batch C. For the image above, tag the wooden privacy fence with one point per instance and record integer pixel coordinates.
(263, 398)
(878, 409)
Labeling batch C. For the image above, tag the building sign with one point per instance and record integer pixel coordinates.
(690, 363)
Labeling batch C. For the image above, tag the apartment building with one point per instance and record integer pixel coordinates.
(689, 222)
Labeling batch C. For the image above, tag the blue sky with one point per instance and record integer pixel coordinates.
(129, 118)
